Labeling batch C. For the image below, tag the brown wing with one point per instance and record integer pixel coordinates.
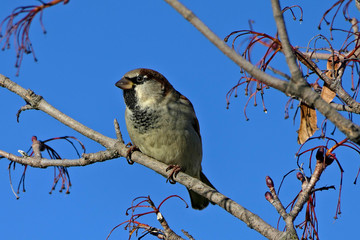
(196, 126)
(195, 121)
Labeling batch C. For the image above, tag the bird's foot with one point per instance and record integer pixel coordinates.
(175, 169)
(132, 148)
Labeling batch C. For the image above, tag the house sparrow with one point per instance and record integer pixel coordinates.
(162, 124)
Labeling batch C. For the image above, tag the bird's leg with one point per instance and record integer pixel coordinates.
(132, 148)
(175, 169)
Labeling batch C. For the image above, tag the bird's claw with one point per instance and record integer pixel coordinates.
(132, 148)
(175, 170)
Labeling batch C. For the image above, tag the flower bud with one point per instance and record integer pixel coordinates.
(300, 176)
(269, 196)
(320, 154)
(269, 182)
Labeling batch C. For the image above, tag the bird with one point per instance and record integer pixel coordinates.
(162, 124)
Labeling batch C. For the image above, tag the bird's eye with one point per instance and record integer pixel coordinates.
(141, 78)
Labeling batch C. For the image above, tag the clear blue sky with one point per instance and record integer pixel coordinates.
(87, 48)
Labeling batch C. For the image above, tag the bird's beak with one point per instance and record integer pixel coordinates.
(124, 84)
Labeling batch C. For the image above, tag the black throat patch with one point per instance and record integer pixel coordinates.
(130, 99)
(142, 119)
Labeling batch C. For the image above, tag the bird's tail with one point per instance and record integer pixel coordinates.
(197, 201)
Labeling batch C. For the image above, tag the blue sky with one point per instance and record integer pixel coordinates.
(87, 48)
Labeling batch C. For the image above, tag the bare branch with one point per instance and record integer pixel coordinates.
(117, 131)
(188, 235)
(279, 73)
(87, 159)
(275, 201)
(317, 56)
(307, 189)
(287, 48)
(37, 102)
(346, 108)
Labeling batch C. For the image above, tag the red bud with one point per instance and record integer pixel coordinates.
(269, 182)
(269, 196)
(300, 176)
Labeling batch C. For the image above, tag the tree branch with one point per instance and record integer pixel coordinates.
(87, 159)
(307, 189)
(317, 56)
(342, 107)
(37, 102)
(296, 74)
